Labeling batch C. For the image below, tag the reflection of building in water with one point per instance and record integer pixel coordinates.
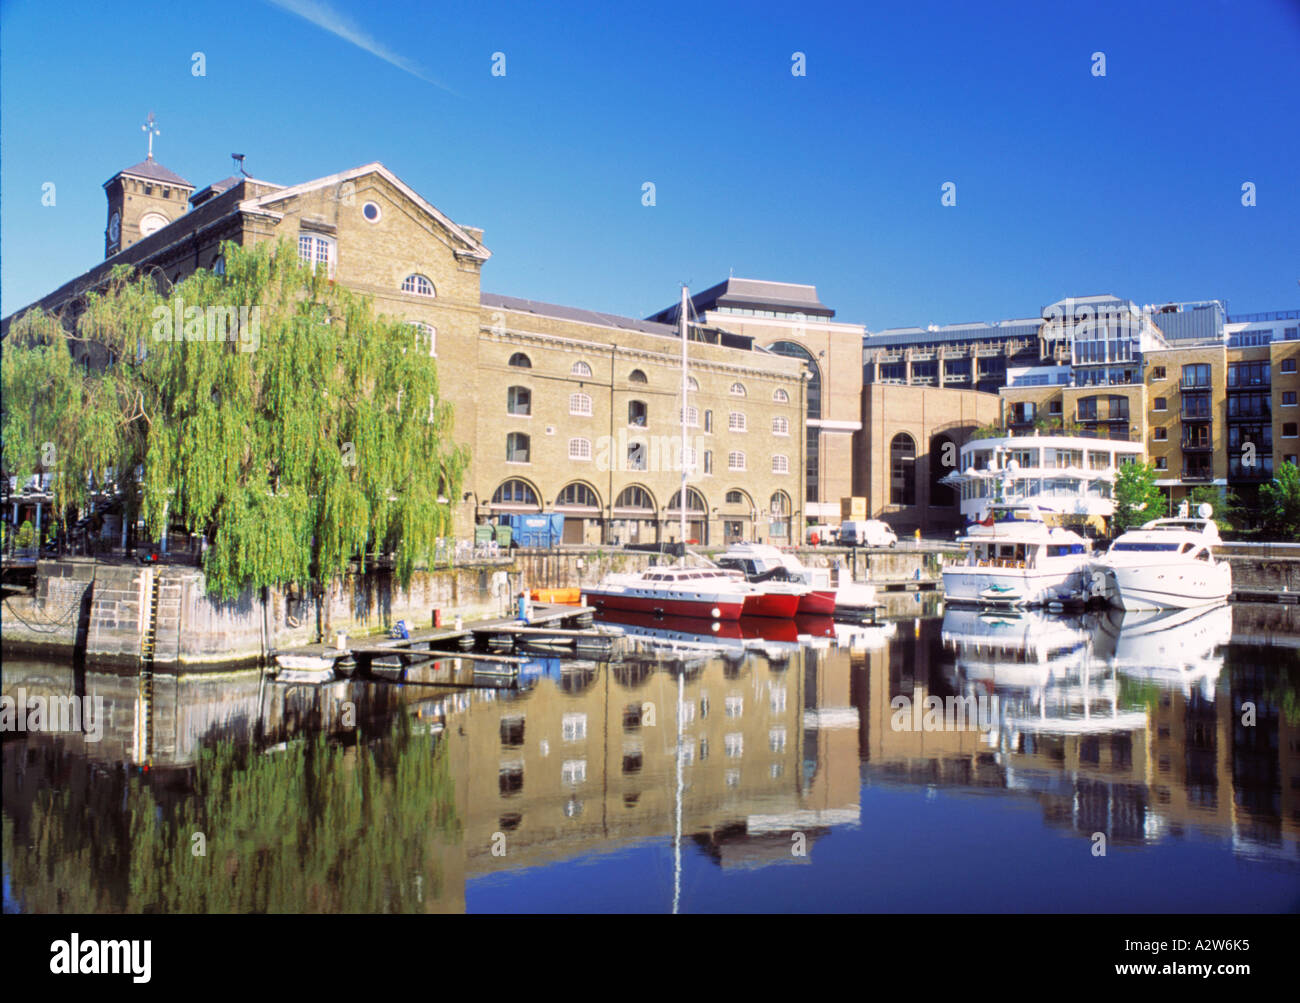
(590, 761)
(1103, 742)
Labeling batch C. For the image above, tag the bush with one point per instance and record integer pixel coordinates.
(26, 536)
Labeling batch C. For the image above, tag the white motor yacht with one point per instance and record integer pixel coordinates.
(1167, 564)
(1016, 559)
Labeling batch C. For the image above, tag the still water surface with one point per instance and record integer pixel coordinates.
(1100, 763)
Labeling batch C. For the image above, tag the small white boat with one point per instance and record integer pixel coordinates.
(1016, 559)
(1167, 564)
(760, 562)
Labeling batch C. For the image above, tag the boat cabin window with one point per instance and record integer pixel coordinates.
(1202, 554)
(1131, 545)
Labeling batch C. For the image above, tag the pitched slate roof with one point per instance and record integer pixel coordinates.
(153, 171)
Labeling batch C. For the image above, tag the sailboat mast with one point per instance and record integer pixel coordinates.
(684, 439)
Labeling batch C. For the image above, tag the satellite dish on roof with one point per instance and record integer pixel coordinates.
(1205, 510)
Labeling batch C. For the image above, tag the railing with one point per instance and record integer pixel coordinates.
(1267, 315)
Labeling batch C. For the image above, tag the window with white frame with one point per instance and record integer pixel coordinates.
(780, 426)
(734, 706)
(574, 772)
(780, 464)
(519, 402)
(580, 449)
(317, 252)
(573, 727)
(735, 460)
(580, 404)
(418, 284)
(780, 396)
(426, 337)
(736, 421)
(580, 368)
(692, 417)
(734, 744)
(737, 390)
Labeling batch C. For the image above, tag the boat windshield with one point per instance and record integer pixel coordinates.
(1144, 546)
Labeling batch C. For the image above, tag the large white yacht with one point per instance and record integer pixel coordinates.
(1016, 559)
(1167, 564)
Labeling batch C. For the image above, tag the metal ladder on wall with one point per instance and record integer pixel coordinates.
(148, 645)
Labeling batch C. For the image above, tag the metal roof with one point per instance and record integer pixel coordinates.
(577, 314)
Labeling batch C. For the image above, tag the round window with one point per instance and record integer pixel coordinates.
(371, 211)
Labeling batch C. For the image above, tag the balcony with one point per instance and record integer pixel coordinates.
(1259, 471)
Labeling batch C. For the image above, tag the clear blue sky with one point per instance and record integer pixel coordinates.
(1067, 184)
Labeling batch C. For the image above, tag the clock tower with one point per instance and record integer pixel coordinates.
(142, 199)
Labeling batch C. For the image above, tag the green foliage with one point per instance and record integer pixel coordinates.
(1280, 503)
(314, 827)
(1229, 512)
(26, 535)
(1137, 498)
(988, 432)
(306, 434)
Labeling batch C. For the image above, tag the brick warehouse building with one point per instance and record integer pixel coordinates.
(561, 409)
(789, 410)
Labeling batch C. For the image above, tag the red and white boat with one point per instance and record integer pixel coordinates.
(764, 566)
(709, 593)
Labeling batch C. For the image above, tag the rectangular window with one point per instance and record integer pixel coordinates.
(1196, 375)
(1288, 398)
(708, 461)
(1289, 430)
(1157, 372)
(1160, 404)
(1160, 434)
(316, 251)
(1288, 365)
(736, 421)
(1054, 407)
(1162, 463)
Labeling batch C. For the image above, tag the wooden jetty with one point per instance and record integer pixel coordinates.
(572, 633)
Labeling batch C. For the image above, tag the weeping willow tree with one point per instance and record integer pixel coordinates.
(265, 408)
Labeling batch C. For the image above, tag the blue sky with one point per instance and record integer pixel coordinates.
(1067, 183)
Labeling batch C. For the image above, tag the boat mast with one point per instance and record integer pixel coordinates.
(684, 439)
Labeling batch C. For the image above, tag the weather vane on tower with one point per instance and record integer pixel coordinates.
(152, 129)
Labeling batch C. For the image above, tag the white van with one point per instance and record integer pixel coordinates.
(867, 533)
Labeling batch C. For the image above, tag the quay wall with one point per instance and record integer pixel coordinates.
(101, 611)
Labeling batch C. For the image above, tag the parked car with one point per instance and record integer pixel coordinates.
(866, 533)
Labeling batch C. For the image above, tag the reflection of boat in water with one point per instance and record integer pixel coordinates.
(679, 633)
(1016, 647)
(1171, 647)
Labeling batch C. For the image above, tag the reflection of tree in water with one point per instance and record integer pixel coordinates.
(314, 827)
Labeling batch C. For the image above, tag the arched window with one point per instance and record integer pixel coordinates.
(580, 368)
(417, 284)
(219, 266)
(635, 498)
(735, 460)
(780, 396)
(637, 376)
(580, 449)
(517, 450)
(780, 426)
(902, 470)
(519, 401)
(736, 421)
(692, 383)
(778, 527)
(943, 461)
(637, 414)
(520, 361)
(780, 464)
(578, 495)
(515, 492)
(737, 390)
(580, 404)
(694, 501)
(734, 497)
(426, 338)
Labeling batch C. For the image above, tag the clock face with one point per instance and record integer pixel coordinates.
(151, 222)
(114, 228)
